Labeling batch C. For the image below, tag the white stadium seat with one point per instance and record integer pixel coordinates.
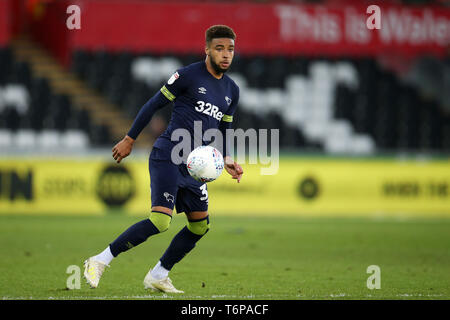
(240, 81)
(345, 72)
(275, 99)
(25, 139)
(337, 145)
(6, 139)
(315, 130)
(362, 144)
(339, 128)
(74, 140)
(251, 99)
(167, 66)
(16, 95)
(48, 139)
(154, 71)
(144, 69)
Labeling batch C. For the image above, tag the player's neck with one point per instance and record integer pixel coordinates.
(211, 69)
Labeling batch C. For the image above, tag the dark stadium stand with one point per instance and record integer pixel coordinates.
(27, 104)
(112, 75)
(391, 112)
(369, 108)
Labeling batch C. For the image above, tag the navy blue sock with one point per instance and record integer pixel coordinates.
(133, 236)
(181, 245)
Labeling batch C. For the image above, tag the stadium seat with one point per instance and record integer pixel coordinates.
(239, 79)
(337, 145)
(362, 145)
(80, 63)
(74, 140)
(6, 62)
(152, 71)
(11, 118)
(6, 139)
(275, 99)
(25, 139)
(40, 94)
(16, 95)
(48, 139)
(345, 73)
(100, 136)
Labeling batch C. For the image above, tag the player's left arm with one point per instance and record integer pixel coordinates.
(231, 166)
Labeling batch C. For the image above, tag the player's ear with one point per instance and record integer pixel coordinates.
(207, 50)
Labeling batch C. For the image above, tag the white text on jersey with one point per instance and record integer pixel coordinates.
(209, 109)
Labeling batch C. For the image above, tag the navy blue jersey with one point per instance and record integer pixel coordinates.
(197, 96)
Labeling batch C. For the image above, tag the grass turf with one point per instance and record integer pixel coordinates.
(277, 258)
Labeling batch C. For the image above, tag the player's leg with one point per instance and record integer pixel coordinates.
(190, 197)
(158, 222)
(164, 185)
(183, 242)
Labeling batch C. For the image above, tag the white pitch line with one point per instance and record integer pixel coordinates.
(225, 297)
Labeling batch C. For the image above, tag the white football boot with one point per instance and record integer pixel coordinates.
(164, 285)
(93, 270)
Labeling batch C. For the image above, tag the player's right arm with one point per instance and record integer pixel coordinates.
(175, 86)
(123, 148)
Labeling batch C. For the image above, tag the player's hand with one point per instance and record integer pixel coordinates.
(233, 168)
(122, 149)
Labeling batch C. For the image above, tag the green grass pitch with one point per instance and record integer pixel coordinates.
(279, 258)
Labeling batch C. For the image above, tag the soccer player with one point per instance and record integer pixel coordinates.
(201, 92)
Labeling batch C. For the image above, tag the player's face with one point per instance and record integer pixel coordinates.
(220, 52)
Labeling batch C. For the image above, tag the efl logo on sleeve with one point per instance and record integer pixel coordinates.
(174, 77)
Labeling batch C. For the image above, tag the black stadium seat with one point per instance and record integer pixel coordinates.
(6, 62)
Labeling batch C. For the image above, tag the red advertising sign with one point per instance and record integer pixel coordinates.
(275, 28)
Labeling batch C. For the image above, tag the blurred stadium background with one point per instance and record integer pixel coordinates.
(363, 117)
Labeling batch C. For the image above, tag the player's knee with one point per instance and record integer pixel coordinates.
(199, 227)
(160, 220)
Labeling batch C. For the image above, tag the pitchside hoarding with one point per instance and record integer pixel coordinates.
(302, 187)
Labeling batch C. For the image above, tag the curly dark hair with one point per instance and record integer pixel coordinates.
(219, 31)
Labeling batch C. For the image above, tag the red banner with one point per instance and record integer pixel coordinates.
(261, 28)
(5, 22)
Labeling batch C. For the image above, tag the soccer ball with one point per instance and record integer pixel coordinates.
(205, 163)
